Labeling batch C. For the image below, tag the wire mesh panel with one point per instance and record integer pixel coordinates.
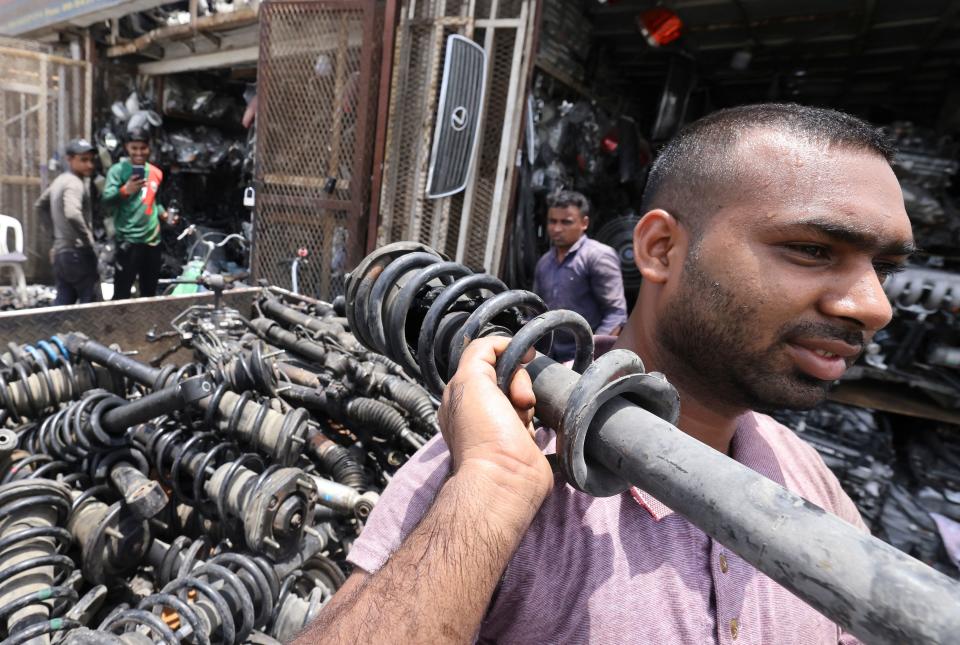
(318, 76)
(45, 100)
(469, 226)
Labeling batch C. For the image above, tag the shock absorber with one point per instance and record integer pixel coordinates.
(91, 434)
(34, 596)
(272, 506)
(614, 426)
(112, 539)
(37, 381)
(240, 416)
(224, 597)
(370, 379)
(287, 595)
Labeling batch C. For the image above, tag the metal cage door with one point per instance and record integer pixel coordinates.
(317, 93)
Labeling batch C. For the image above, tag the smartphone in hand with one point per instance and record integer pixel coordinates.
(138, 172)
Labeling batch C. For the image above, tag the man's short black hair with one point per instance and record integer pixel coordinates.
(565, 198)
(138, 134)
(701, 160)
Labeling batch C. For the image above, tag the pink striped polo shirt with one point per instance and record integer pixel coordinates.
(626, 569)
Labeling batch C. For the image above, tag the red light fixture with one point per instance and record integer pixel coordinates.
(660, 26)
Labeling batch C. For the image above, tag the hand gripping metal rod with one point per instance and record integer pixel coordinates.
(615, 428)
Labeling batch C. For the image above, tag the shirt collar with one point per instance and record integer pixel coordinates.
(573, 249)
(747, 447)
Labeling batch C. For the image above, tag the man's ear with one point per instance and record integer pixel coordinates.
(657, 238)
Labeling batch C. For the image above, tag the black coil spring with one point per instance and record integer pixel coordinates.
(185, 461)
(406, 298)
(68, 442)
(34, 460)
(242, 590)
(18, 498)
(75, 432)
(292, 434)
(250, 370)
(409, 303)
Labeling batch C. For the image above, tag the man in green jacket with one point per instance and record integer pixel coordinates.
(132, 201)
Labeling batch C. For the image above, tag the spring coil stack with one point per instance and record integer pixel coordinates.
(422, 311)
(35, 585)
(212, 501)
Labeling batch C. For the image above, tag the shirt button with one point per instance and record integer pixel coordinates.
(734, 628)
(724, 567)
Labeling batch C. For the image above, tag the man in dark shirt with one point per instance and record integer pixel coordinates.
(66, 204)
(578, 273)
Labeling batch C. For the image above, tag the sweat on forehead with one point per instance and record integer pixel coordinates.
(710, 158)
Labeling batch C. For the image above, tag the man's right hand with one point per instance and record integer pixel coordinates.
(489, 435)
(466, 539)
(133, 186)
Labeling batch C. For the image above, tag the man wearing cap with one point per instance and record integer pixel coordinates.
(132, 200)
(66, 204)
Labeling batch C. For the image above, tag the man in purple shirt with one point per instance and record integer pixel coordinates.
(768, 232)
(579, 273)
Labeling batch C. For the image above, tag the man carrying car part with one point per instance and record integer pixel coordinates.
(66, 205)
(130, 195)
(767, 235)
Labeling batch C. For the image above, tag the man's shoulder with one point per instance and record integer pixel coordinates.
(804, 470)
(66, 179)
(542, 261)
(118, 167)
(598, 249)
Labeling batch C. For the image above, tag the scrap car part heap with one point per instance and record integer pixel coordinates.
(212, 502)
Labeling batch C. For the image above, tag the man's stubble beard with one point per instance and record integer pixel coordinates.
(705, 336)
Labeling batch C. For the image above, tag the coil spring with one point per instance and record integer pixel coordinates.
(404, 287)
(45, 606)
(268, 593)
(405, 295)
(34, 460)
(291, 437)
(251, 370)
(49, 362)
(75, 432)
(217, 586)
(174, 451)
(183, 555)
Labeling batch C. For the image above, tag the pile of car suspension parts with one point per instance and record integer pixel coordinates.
(213, 502)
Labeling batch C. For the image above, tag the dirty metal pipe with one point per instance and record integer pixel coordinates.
(114, 361)
(156, 404)
(874, 591)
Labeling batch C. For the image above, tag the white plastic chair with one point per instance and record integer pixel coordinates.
(13, 258)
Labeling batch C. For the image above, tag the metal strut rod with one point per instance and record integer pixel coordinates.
(605, 443)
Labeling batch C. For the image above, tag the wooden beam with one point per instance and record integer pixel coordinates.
(19, 88)
(39, 56)
(201, 61)
(19, 180)
(216, 22)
